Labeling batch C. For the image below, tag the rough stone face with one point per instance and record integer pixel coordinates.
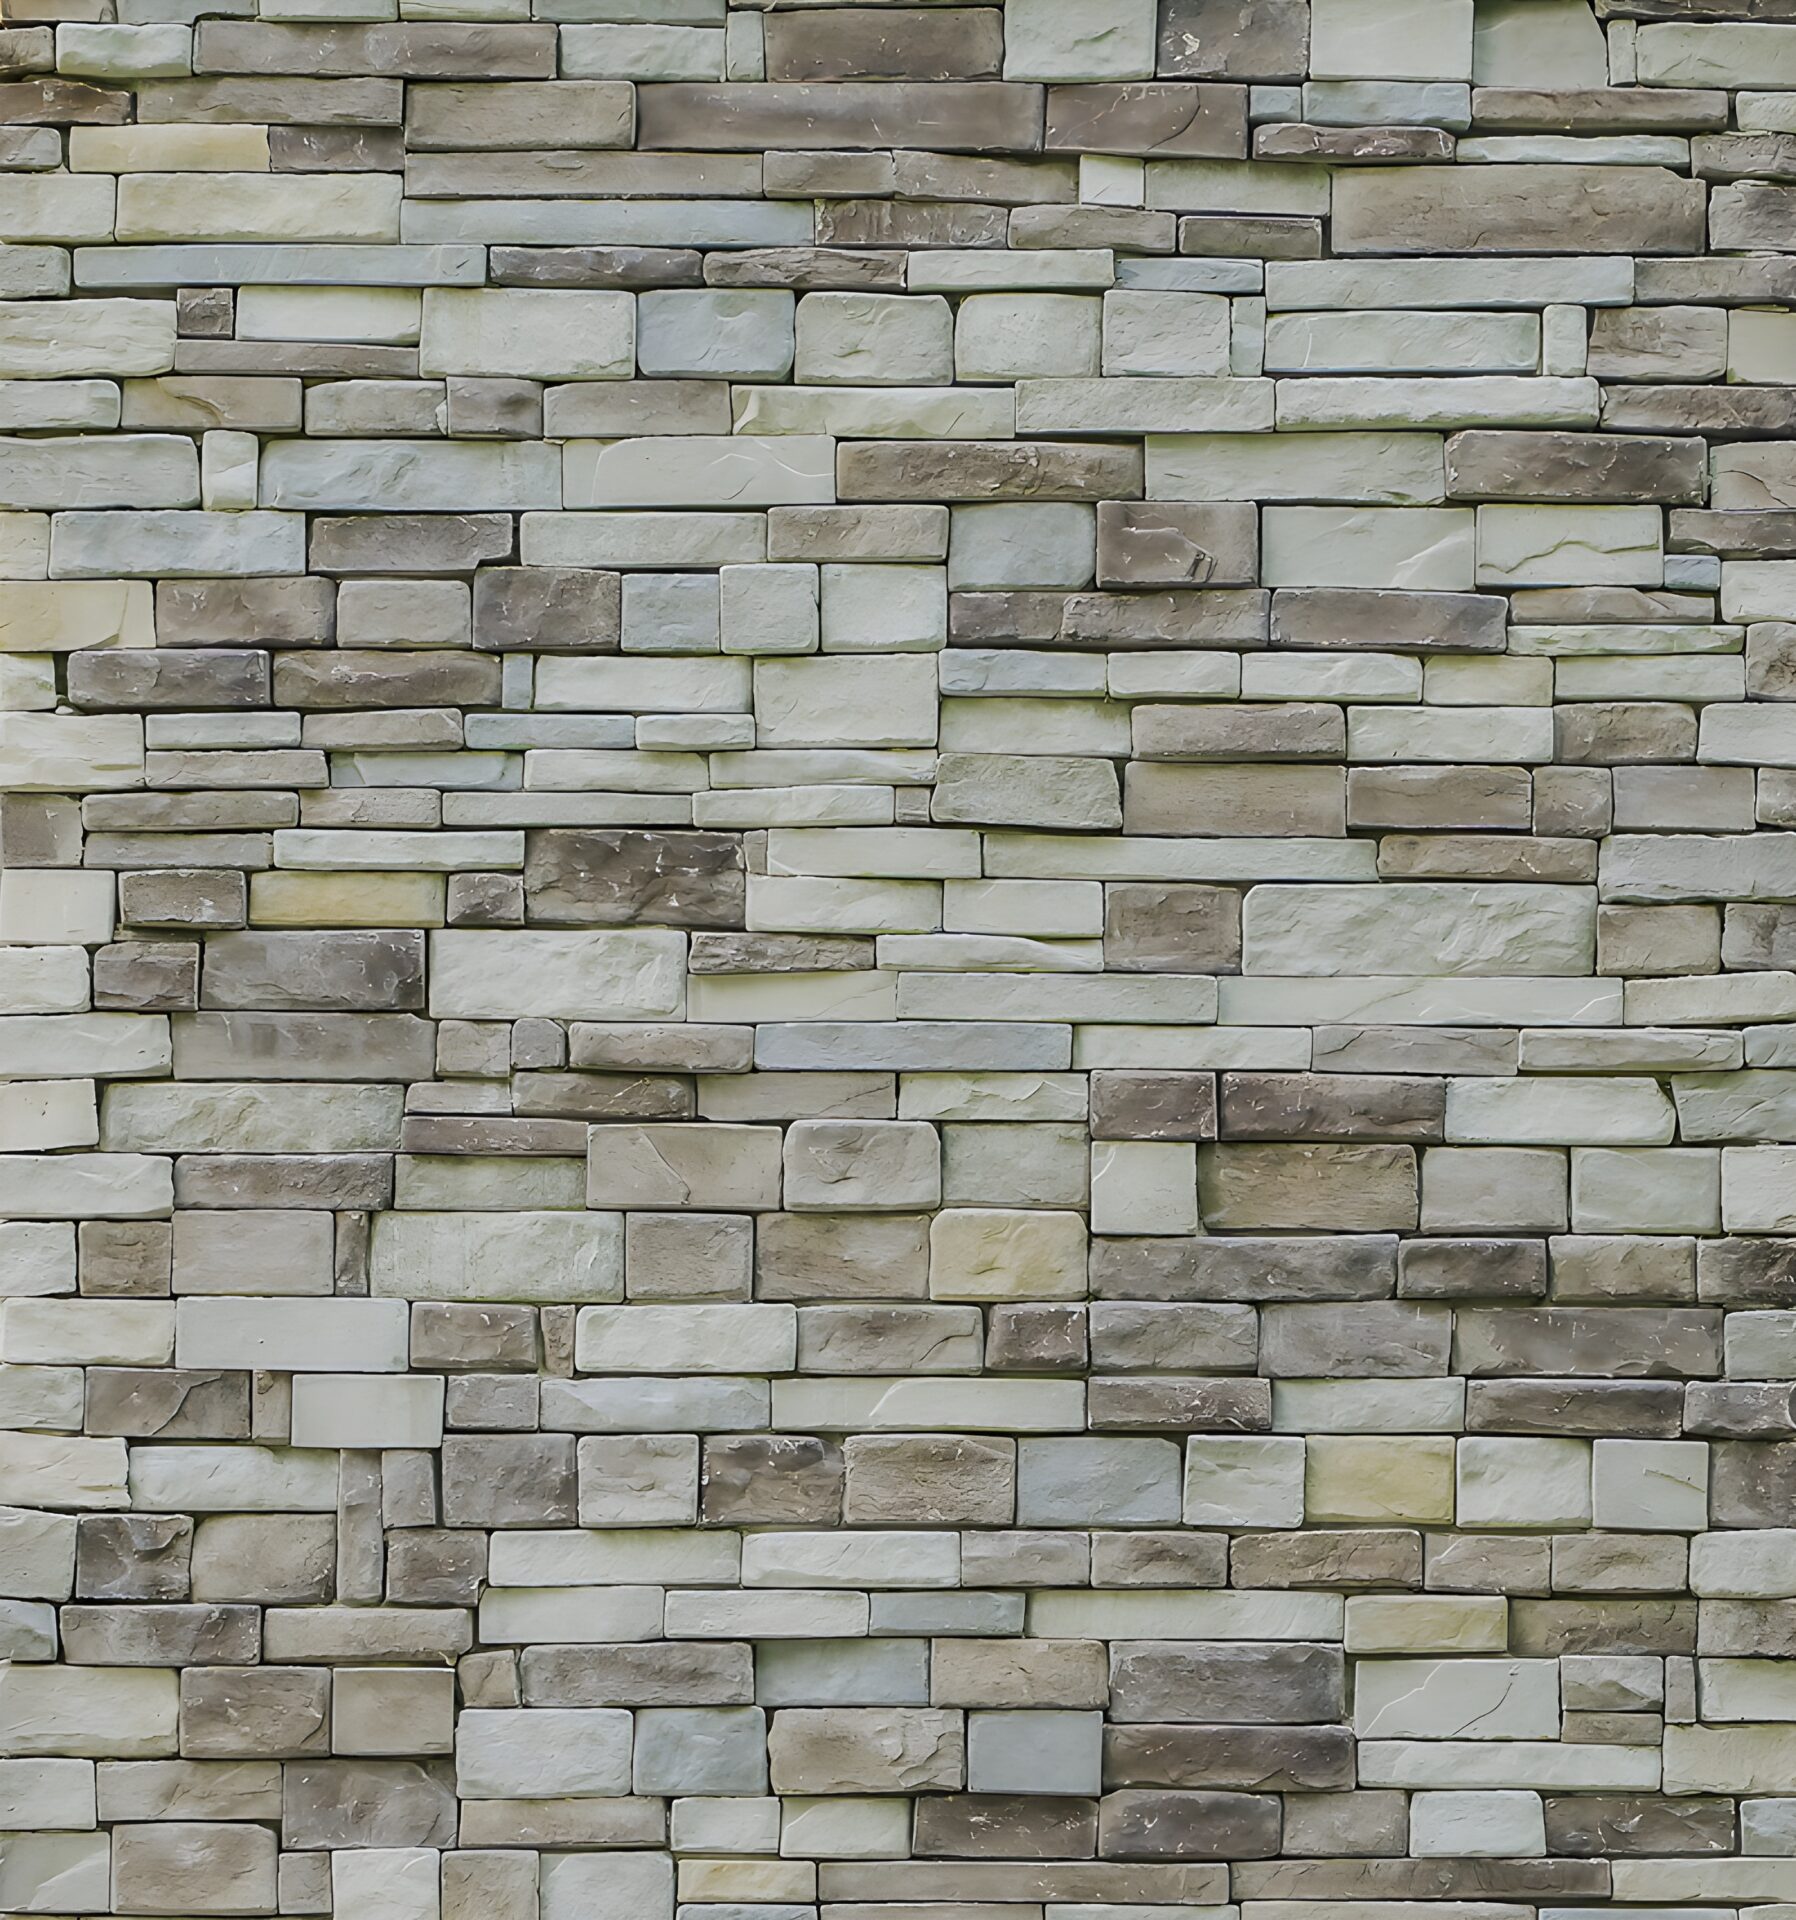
(1583, 467)
(1416, 211)
(859, 1750)
(630, 879)
(551, 609)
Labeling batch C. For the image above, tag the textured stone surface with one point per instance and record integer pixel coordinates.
(897, 993)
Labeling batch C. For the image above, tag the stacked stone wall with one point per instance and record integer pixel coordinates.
(898, 959)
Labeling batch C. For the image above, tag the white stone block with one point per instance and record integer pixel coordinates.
(61, 908)
(82, 1333)
(523, 1256)
(1165, 333)
(1555, 44)
(1559, 1109)
(58, 207)
(1377, 469)
(607, 1886)
(353, 207)
(852, 1560)
(1650, 1486)
(70, 753)
(228, 471)
(542, 1752)
(1391, 39)
(227, 1479)
(1066, 40)
(1523, 1483)
(1018, 336)
(1462, 1825)
(858, 1166)
(716, 334)
(1402, 343)
(42, 1114)
(829, 702)
(572, 1616)
(409, 476)
(1415, 927)
(874, 339)
(180, 545)
(1753, 1564)
(528, 333)
(250, 1116)
(1004, 546)
(1646, 1190)
(1569, 546)
(700, 470)
(884, 609)
(42, 1871)
(382, 316)
(46, 1794)
(106, 1713)
(385, 1883)
(648, 51)
(351, 1410)
(1456, 1699)
(43, 340)
(1758, 1189)
(85, 1186)
(708, 1167)
(44, 1468)
(769, 609)
(39, 1553)
(1000, 1253)
(38, 1256)
(1244, 1481)
(624, 975)
(1412, 549)
(1144, 1187)
(679, 1339)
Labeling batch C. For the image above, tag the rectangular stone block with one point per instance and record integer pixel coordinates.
(1587, 210)
(594, 976)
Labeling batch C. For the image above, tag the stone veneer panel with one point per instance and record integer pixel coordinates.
(899, 959)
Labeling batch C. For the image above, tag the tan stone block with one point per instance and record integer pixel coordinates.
(279, 899)
(1364, 1480)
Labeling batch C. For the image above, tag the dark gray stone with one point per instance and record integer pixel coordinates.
(620, 877)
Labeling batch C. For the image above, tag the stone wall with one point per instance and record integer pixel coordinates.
(899, 932)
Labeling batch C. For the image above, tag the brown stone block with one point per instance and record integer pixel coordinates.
(547, 609)
(620, 878)
(1177, 544)
(974, 1826)
(1535, 209)
(1287, 1758)
(1368, 1557)
(1139, 1824)
(1328, 1106)
(1251, 1683)
(771, 1480)
(747, 116)
(1585, 468)
(273, 1713)
(901, 43)
(1235, 39)
(891, 470)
